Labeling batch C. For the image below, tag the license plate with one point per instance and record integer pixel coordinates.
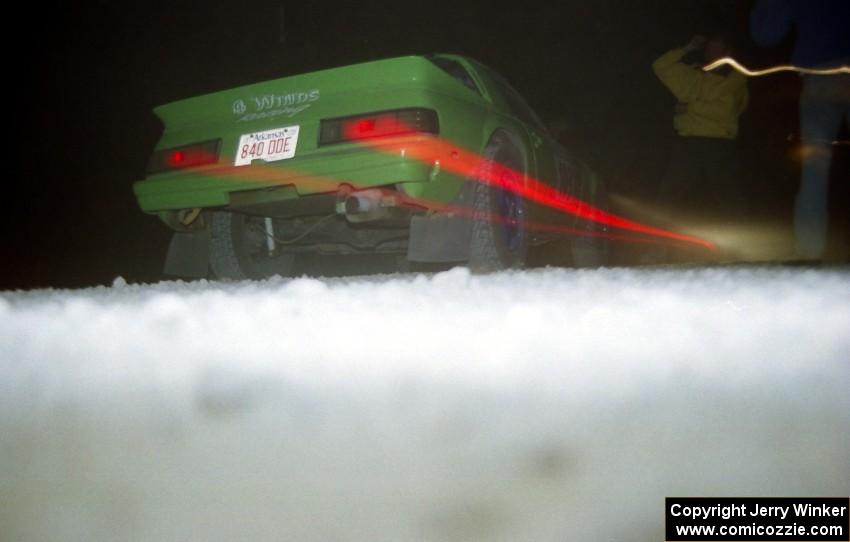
(270, 145)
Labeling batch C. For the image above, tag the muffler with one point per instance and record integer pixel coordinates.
(368, 205)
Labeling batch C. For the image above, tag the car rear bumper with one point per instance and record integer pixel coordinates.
(321, 172)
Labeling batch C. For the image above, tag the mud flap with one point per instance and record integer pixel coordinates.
(188, 255)
(439, 238)
(443, 238)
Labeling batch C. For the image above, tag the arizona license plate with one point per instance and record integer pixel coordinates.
(270, 145)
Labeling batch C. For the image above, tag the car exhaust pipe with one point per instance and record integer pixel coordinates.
(361, 203)
(367, 205)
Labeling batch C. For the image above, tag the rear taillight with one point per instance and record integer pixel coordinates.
(380, 124)
(186, 156)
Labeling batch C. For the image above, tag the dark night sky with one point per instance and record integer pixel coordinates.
(84, 127)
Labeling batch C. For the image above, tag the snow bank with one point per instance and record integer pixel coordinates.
(542, 405)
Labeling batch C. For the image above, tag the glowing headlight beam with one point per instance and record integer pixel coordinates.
(729, 61)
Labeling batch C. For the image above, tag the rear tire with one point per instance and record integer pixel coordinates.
(499, 238)
(238, 249)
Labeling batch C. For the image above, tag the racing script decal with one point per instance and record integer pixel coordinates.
(274, 105)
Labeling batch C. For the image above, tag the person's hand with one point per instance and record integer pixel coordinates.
(697, 42)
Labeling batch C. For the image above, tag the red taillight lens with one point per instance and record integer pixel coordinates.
(187, 156)
(363, 127)
(176, 158)
(380, 124)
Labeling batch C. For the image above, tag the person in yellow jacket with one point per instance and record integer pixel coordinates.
(703, 163)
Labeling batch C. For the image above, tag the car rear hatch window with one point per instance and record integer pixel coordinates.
(457, 71)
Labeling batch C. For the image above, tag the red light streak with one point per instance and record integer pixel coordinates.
(429, 149)
(470, 165)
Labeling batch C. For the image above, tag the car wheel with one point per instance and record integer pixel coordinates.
(499, 239)
(239, 251)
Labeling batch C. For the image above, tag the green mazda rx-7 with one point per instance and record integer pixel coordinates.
(427, 158)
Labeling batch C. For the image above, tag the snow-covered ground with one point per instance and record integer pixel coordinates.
(543, 405)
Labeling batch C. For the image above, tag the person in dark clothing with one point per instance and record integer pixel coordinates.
(822, 41)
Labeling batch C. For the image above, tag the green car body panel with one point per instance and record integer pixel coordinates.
(470, 108)
(374, 86)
